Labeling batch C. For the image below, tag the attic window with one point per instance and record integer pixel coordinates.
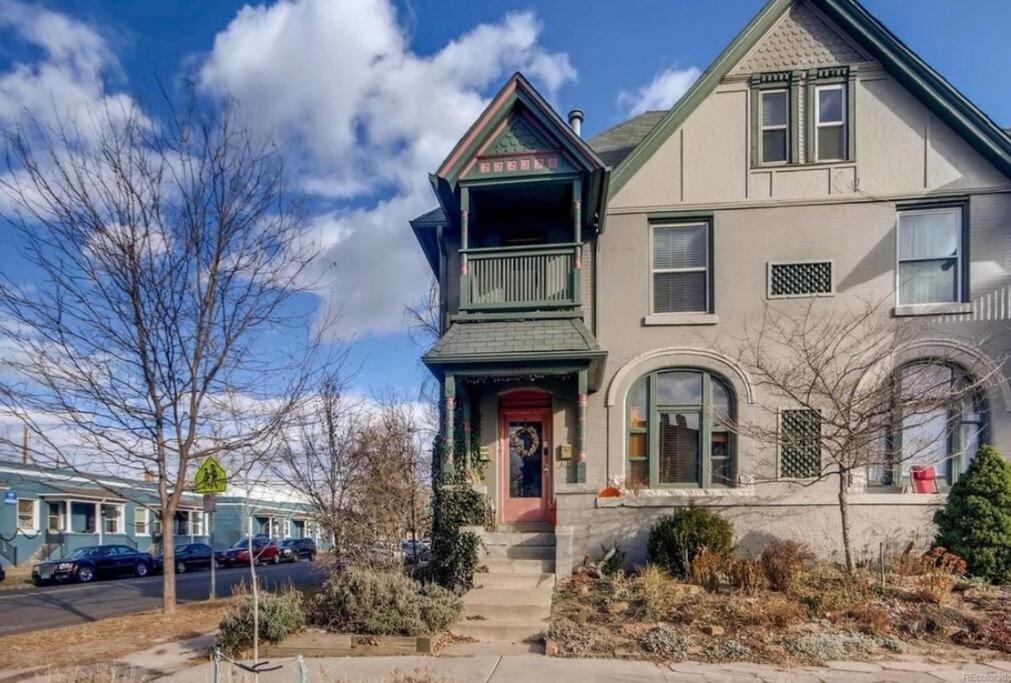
(775, 126)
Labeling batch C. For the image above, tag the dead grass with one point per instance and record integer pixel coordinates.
(18, 578)
(107, 639)
(651, 615)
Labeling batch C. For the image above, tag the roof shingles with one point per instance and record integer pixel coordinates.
(513, 337)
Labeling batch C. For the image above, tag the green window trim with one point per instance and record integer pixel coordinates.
(707, 429)
(776, 80)
(963, 257)
(816, 78)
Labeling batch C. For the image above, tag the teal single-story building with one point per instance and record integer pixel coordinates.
(47, 512)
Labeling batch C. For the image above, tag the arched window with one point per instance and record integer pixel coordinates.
(939, 421)
(680, 430)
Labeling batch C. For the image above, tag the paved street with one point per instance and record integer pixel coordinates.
(62, 605)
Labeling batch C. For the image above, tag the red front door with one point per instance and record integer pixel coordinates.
(526, 466)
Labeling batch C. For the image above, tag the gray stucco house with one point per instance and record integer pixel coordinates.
(586, 284)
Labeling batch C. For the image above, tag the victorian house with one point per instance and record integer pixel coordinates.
(587, 284)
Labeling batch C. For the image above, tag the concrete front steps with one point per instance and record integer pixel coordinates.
(511, 597)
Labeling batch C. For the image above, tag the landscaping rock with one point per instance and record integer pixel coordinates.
(616, 608)
(712, 630)
(550, 647)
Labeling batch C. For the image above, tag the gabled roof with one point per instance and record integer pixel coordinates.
(617, 142)
(940, 96)
(516, 89)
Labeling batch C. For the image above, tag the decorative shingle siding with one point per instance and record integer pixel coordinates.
(801, 40)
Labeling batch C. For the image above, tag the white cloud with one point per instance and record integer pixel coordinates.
(365, 119)
(660, 93)
(69, 78)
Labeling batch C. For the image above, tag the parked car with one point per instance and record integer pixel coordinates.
(264, 550)
(294, 549)
(3, 574)
(189, 556)
(94, 562)
(416, 552)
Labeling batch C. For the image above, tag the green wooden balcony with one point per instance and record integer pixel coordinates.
(520, 278)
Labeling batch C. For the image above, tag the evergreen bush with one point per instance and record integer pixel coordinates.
(976, 521)
(382, 603)
(280, 615)
(676, 540)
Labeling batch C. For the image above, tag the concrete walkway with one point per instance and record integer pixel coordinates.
(532, 668)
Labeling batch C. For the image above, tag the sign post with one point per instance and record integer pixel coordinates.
(211, 480)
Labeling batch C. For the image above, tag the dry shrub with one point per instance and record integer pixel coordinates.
(707, 569)
(826, 590)
(769, 610)
(782, 562)
(873, 620)
(653, 586)
(944, 570)
(993, 631)
(745, 575)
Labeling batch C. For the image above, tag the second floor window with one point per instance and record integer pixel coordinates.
(930, 256)
(830, 122)
(775, 126)
(681, 268)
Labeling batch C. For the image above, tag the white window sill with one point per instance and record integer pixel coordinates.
(931, 309)
(681, 319)
(668, 497)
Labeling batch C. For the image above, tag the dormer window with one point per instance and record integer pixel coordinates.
(775, 126)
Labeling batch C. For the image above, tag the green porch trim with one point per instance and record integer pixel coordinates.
(470, 316)
(449, 427)
(943, 99)
(583, 401)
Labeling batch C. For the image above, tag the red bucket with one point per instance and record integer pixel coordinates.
(924, 478)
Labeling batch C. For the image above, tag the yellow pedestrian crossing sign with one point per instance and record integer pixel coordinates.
(211, 477)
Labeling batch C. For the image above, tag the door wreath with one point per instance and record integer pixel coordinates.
(528, 446)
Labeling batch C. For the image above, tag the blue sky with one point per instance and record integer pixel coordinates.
(369, 96)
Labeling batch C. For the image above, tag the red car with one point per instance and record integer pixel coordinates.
(264, 550)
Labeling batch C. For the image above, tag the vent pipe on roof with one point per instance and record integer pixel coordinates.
(576, 121)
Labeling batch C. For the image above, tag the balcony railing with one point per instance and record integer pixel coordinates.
(511, 278)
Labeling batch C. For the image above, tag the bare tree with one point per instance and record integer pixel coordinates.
(363, 467)
(163, 254)
(839, 370)
(322, 461)
(423, 318)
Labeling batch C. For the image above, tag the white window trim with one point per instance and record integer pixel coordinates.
(779, 126)
(841, 123)
(120, 519)
(654, 316)
(924, 307)
(35, 515)
(147, 521)
(768, 278)
(191, 526)
(63, 516)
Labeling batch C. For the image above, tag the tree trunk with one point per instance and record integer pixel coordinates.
(256, 593)
(168, 552)
(844, 517)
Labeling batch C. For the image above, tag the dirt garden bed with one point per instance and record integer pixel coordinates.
(821, 615)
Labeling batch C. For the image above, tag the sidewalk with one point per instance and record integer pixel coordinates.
(533, 668)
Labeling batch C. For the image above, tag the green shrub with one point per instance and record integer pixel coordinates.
(677, 539)
(382, 603)
(280, 614)
(976, 521)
